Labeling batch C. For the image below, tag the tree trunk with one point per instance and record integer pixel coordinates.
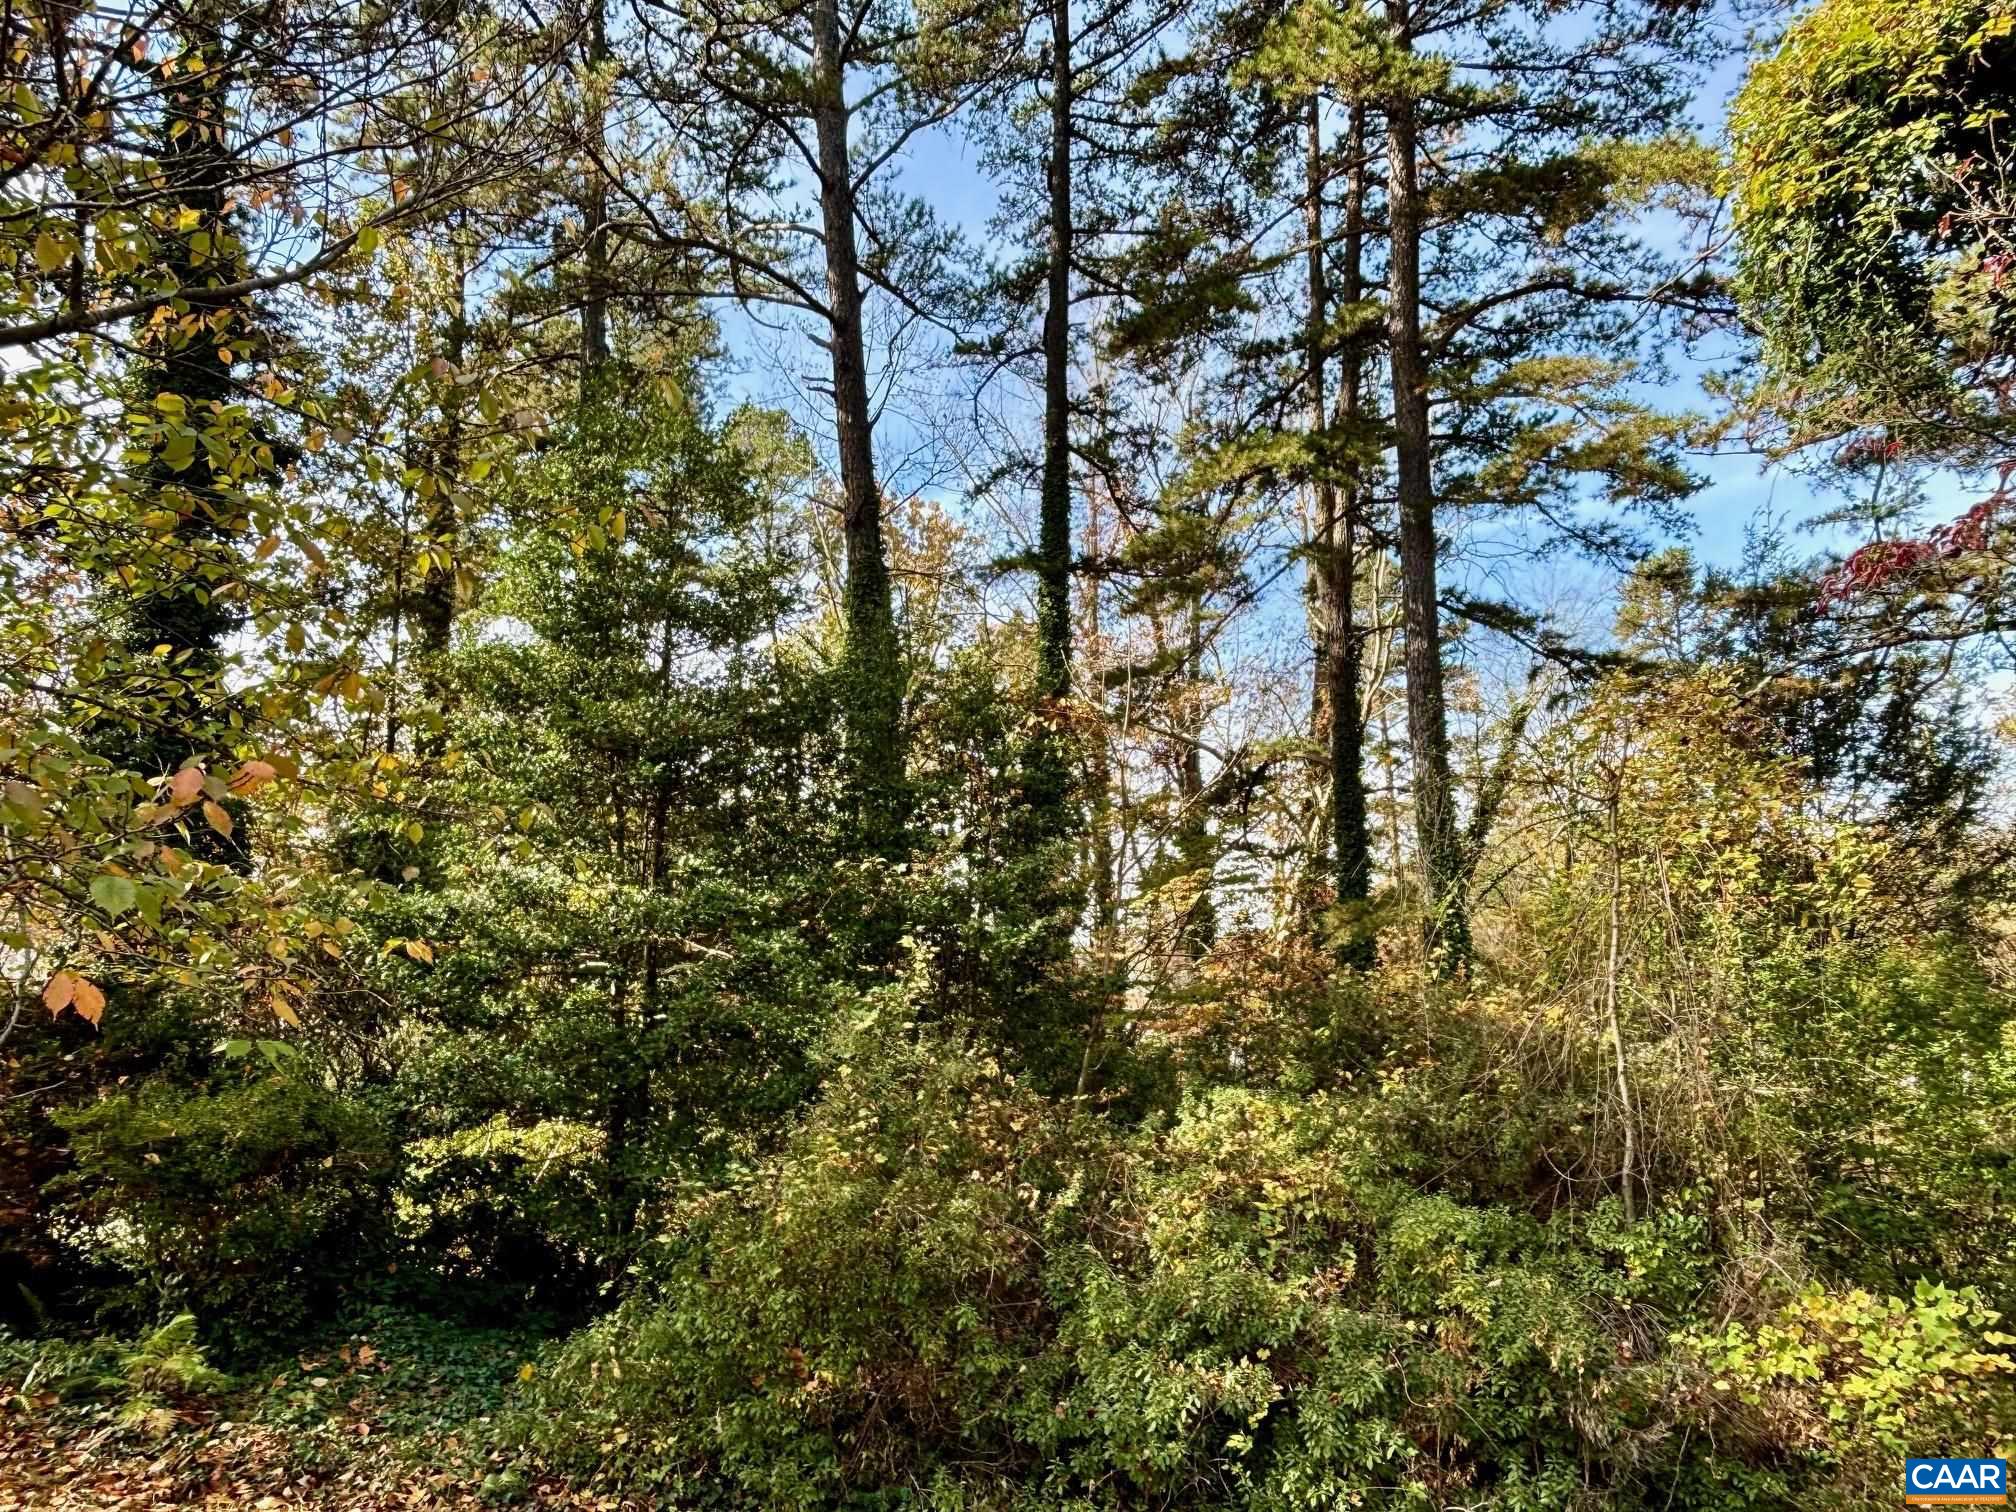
(874, 668)
(1194, 845)
(1427, 717)
(1104, 858)
(434, 615)
(595, 211)
(1342, 648)
(1053, 581)
(193, 630)
(1049, 776)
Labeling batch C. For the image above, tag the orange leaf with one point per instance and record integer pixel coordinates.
(420, 950)
(187, 785)
(252, 776)
(61, 990)
(89, 1002)
(219, 820)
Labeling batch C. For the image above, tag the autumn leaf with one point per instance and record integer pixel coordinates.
(252, 776)
(61, 992)
(284, 1011)
(187, 786)
(420, 950)
(89, 1002)
(82, 996)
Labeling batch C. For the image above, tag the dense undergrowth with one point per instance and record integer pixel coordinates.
(1386, 1241)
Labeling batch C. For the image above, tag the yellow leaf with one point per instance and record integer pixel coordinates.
(284, 1011)
(50, 253)
(267, 547)
(219, 820)
(420, 950)
(527, 1371)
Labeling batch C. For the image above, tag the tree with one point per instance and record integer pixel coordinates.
(787, 123)
(611, 941)
(1509, 370)
(1872, 169)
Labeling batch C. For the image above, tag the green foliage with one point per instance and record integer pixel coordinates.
(138, 1384)
(245, 1201)
(1889, 1372)
(948, 1284)
(1872, 197)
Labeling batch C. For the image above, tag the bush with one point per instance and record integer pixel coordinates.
(246, 1204)
(950, 1289)
(853, 1312)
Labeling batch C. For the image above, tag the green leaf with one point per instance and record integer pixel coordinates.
(113, 894)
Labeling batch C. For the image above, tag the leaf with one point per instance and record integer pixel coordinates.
(219, 820)
(252, 776)
(88, 1002)
(113, 894)
(50, 253)
(284, 1011)
(188, 784)
(61, 991)
(420, 950)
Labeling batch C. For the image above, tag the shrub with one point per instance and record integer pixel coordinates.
(951, 1290)
(245, 1203)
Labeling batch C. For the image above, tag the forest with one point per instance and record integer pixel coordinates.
(1006, 755)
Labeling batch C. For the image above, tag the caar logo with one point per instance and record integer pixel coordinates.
(1951, 1482)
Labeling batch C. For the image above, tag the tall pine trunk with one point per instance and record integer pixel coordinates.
(1436, 838)
(874, 667)
(1053, 580)
(1049, 775)
(1341, 648)
(595, 212)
